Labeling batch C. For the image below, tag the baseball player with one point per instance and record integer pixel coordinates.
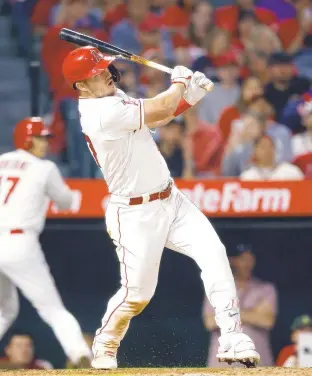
(146, 211)
(27, 182)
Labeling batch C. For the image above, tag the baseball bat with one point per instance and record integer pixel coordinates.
(85, 40)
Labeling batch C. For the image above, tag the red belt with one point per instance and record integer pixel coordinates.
(153, 196)
(16, 231)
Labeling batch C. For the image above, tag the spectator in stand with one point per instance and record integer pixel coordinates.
(126, 33)
(287, 357)
(201, 25)
(226, 91)
(228, 17)
(218, 44)
(290, 115)
(247, 22)
(175, 17)
(264, 165)
(259, 106)
(20, 353)
(257, 62)
(303, 59)
(250, 90)
(302, 142)
(238, 153)
(149, 35)
(153, 81)
(191, 43)
(258, 305)
(170, 145)
(114, 12)
(284, 84)
(264, 39)
(77, 13)
(203, 143)
(41, 15)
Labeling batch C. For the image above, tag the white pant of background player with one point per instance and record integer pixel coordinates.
(140, 233)
(23, 265)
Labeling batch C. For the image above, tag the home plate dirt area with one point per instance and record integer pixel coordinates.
(166, 372)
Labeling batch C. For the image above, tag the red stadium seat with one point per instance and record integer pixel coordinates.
(287, 31)
(225, 121)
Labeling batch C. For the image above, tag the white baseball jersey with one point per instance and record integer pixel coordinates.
(26, 185)
(122, 145)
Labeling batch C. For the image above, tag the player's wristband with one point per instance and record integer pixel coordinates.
(182, 107)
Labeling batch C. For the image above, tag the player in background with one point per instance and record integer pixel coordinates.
(146, 211)
(27, 183)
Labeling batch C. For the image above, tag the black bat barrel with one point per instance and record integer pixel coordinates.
(85, 40)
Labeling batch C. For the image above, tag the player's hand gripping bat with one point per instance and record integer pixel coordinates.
(85, 40)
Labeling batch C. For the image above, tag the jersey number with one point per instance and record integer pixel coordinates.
(92, 150)
(7, 186)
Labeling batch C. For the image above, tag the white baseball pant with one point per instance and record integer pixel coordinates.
(23, 265)
(140, 233)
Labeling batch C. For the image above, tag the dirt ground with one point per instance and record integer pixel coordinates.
(166, 372)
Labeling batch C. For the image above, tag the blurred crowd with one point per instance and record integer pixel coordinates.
(256, 124)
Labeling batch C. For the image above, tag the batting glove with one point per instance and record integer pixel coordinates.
(181, 75)
(198, 87)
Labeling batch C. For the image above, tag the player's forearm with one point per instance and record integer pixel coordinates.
(263, 320)
(171, 97)
(160, 123)
(164, 104)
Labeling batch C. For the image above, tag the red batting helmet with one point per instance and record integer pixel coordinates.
(86, 62)
(28, 128)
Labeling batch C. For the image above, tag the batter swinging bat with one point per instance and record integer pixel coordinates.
(85, 40)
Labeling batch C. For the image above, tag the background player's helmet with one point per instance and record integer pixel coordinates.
(86, 62)
(28, 128)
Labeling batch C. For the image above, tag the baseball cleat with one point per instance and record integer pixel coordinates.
(104, 360)
(238, 348)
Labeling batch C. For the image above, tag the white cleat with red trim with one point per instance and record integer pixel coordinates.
(104, 360)
(238, 347)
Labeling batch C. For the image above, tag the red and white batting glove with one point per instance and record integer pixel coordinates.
(181, 75)
(198, 87)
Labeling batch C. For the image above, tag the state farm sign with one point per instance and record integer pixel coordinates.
(233, 197)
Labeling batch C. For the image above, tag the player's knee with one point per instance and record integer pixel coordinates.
(142, 294)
